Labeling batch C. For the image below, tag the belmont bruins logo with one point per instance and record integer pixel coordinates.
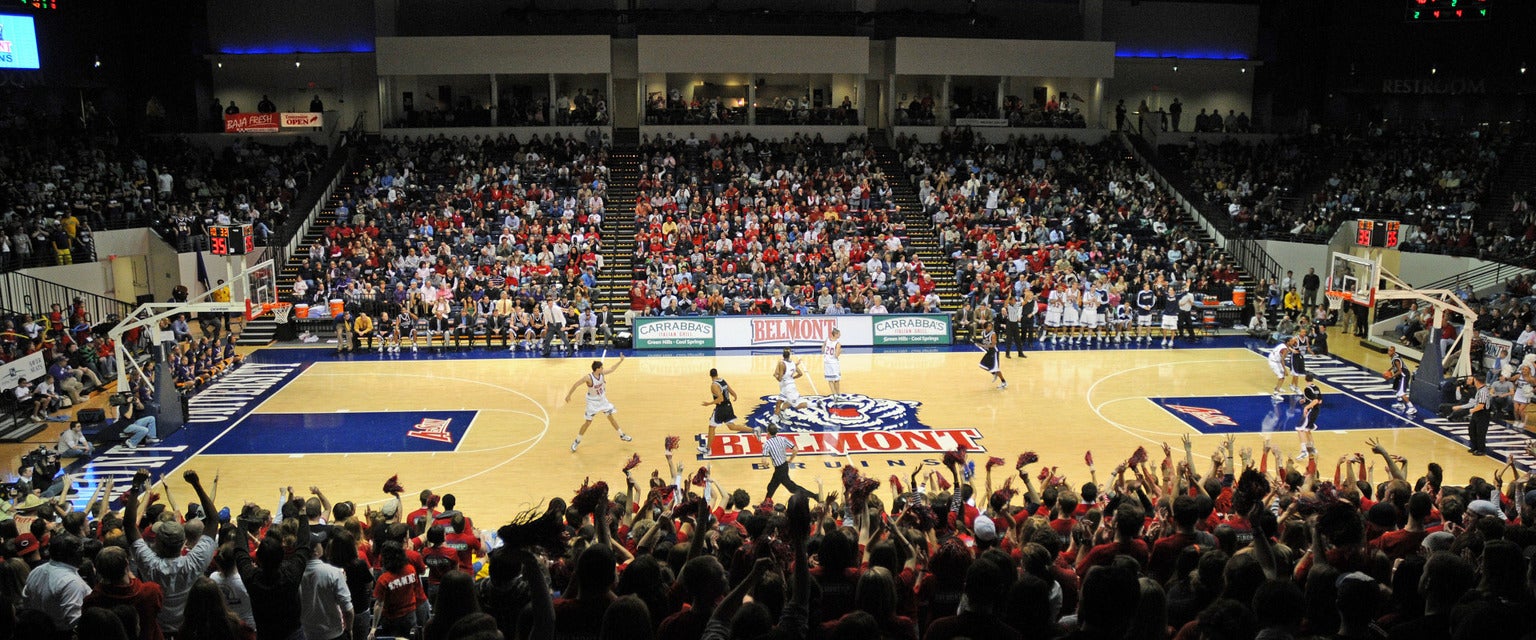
(844, 425)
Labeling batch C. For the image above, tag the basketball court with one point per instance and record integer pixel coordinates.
(493, 428)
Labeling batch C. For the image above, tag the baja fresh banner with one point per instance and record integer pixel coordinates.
(30, 367)
(674, 333)
(252, 123)
(729, 332)
(912, 329)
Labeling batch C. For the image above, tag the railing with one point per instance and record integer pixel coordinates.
(286, 239)
(1480, 278)
(34, 296)
(1248, 252)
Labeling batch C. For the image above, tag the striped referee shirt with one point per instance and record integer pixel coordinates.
(777, 449)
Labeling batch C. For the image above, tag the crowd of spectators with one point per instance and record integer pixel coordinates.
(72, 345)
(59, 188)
(1423, 176)
(736, 225)
(465, 236)
(1019, 218)
(1018, 112)
(1252, 544)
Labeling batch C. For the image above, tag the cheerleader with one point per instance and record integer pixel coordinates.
(989, 360)
(1525, 381)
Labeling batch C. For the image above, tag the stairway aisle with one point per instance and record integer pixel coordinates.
(262, 331)
(921, 236)
(618, 232)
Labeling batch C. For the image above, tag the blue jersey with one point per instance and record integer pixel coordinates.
(1145, 301)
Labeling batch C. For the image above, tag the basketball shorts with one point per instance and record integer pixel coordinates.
(1143, 319)
(1170, 322)
(1053, 317)
(599, 405)
(1277, 369)
(832, 371)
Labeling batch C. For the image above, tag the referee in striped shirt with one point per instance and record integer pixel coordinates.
(781, 451)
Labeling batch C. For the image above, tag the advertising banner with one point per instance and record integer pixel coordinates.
(30, 367)
(301, 120)
(674, 333)
(981, 122)
(930, 328)
(731, 332)
(251, 123)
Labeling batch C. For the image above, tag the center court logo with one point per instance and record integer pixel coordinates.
(432, 429)
(1211, 417)
(847, 425)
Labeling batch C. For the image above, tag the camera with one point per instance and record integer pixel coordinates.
(121, 399)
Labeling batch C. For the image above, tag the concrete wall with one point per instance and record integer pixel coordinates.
(1184, 29)
(753, 54)
(968, 57)
(522, 133)
(1297, 257)
(1198, 84)
(345, 82)
(285, 26)
(486, 55)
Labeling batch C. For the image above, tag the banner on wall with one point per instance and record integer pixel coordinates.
(1496, 354)
(270, 122)
(301, 120)
(252, 123)
(981, 122)
(30, 367)
(789, 331)
(933, 328)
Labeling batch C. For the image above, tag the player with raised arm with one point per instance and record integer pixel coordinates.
(722, 397)
(597, 399)
(786, 372)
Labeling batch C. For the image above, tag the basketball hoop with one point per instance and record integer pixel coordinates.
(280, 311)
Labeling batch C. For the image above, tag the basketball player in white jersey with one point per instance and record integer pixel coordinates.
(597, 399)
(1278, 357)
(1053, 310)
(722, 398)
(1089, 318)
(786, 372)
(831, 362)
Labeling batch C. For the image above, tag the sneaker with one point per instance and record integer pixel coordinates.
(1295, 389)
(413, 348)
(625, 437)
(1303, 455)
(757, 431)
(130, 446)
(1398, 406)
(152, 440)
(575, 444)
(703, 449)
(1002, 386)
(1412, 411)
(1276, 396)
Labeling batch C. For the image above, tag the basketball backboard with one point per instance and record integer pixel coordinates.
(1353, 279)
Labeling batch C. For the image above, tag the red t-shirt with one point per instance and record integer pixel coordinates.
(1400, 543)
(400, 593)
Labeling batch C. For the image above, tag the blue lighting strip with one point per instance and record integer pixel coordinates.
(357, 47)
(1181, 55)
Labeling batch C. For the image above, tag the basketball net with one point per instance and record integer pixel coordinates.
(281, 312)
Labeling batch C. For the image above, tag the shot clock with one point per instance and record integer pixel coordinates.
(231, 240)
(1377, 233)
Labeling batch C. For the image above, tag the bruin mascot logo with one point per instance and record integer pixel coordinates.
(845, 425)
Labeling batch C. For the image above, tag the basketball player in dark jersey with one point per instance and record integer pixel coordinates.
(1311, 404)
(989, 361)
(1400, 377)
(722, 397)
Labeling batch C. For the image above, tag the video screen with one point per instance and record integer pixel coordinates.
(18, 43)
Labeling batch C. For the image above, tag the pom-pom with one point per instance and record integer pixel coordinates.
(896, 484)
(591, 498)
(943, 483)
(634, 461)
(700, 477)
(1007, 492)
(532, 529)
(433, 500)
(1139, 457)
(994, 461)
(392, 485)
(664, 494)
(689, 507)
(1088, 458)
(857, 488)
(672, 442)
(954, 457)
(1045, 472)
(1026, 458)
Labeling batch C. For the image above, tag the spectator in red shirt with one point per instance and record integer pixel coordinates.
(119, 586)
(1165, 551)
(397, 593)
(1127, 523)
(1405, 542)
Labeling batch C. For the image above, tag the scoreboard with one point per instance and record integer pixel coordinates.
(1424, 11)
(1382, 234)
(232, 239)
